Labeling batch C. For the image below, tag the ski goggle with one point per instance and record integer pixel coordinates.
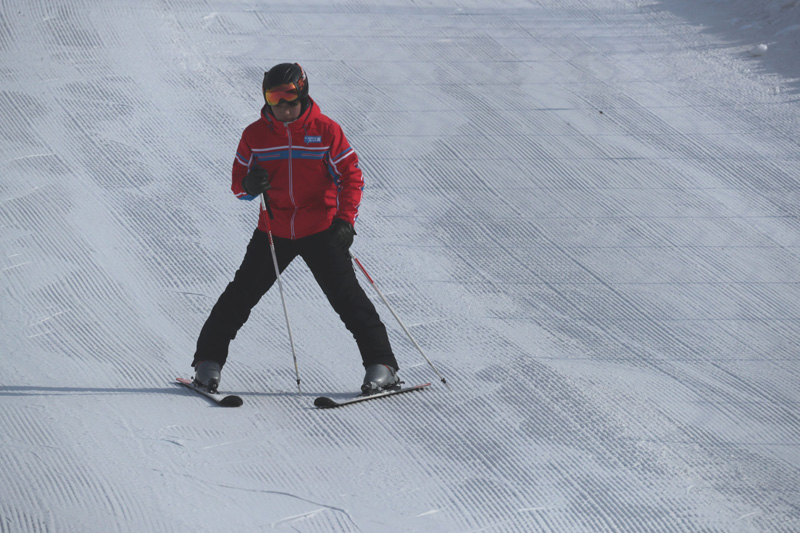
(287, 92)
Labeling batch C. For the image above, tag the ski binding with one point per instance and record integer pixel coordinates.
(224, 400)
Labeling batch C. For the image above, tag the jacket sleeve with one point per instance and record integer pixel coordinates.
(241, 165)
(343, 166)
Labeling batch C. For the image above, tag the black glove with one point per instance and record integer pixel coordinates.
(342, 233)
(256, 181)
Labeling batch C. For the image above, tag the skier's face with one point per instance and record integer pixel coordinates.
(286, 111)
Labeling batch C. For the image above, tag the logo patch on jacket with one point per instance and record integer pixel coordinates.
(313, 139)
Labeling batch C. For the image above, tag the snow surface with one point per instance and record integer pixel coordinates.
(585, 210)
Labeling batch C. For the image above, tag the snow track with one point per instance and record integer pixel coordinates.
(586, 212)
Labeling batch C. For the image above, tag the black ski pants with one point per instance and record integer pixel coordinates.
(331, 266)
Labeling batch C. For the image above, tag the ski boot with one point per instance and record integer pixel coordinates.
(380, 378)
(206, 374)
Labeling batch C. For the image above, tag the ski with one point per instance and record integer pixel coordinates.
(223, 400)
(323, 402)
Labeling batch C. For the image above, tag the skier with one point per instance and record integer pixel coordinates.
(300, 160)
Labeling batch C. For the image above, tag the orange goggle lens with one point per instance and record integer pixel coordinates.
(281, 92)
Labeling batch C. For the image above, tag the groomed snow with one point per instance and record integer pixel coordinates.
(586, 211)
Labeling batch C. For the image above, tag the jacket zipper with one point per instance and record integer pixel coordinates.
(291, 182)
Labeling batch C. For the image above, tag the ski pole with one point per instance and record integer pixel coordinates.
(375, 286)
(265, 206)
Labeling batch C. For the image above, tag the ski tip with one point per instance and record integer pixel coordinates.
(231, 401)
(324, 402)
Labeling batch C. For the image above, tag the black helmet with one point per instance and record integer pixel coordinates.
(284, 81)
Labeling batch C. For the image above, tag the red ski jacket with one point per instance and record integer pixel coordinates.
(313, 171)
